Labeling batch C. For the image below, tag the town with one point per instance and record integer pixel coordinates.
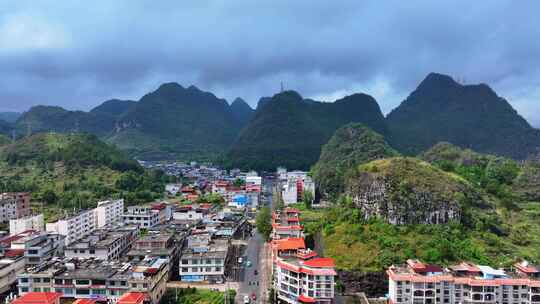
(200, 235)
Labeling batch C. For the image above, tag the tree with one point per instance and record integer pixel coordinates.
(239, 182)
(263, 222)
(49, 197)
(307, 199)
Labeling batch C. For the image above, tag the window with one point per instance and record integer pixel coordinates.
(24, 289)
(82, 282)
(92, 251)
(37, 280)
(57, 281)
(46, 280)
(185, 262)
(122, 283)
(83, 291)
(24, 280)
(185, 269)
(133, 285)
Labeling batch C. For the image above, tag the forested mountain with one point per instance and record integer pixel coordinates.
(176, 122)
(113, 107)
(241, 111)
(290, 131)
(469, 116)
(350, 146)
(10, 117)
(57, 119)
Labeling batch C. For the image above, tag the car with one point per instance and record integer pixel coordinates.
(253, 296)
(248, 263)
(246, 299)
(255, 272)
(240, 260)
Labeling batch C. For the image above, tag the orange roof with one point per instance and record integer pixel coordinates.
(289, 244)
(320, 262)
(305, 299)
(38, 298)
(132, 298)
(11, 253)
(84, 301)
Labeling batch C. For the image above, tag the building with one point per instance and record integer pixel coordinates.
(96, 280)
(420, 283)
(173, 189)
(204, 259)
(38, 246)
(11, 264)
(38, 298)
(131, 298)
(31, 222)
(157, 245)
(191, 212)
(103, 244)
(109, 213)
(286, 224)
(74, 227)
(304, 278)
(14, 205)
(143, 216)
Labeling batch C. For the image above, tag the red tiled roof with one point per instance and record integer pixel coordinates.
(526, 268)
(84, 301)
(132, 298)
(289, 244)
(11, 253)
(320, 262)
(306, 299)
(38, 298)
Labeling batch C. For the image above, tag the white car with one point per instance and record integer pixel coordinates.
(246, 299)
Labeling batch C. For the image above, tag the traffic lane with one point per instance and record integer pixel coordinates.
(251, 282)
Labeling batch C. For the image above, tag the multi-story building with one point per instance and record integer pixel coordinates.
(204, 259)
(93, 279)
(74, 227)
(304, 278)
(286, 224)
(420, 283)
(157, 245)
(11, 264)
(14, 205)
(31, 222)
(143, 216)
(109, 213)
(103, 244)
(38, 246)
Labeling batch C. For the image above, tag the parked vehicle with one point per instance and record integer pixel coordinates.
(253, 296)
(248, 263)
(246, 299)
(255, 272)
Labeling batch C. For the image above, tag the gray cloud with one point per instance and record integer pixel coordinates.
(77, 54)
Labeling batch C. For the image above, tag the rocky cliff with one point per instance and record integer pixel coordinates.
(408, 191)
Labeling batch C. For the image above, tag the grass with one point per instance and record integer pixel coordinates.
(196, 296)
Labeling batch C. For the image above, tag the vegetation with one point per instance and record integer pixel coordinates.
(499, 222)
(472, 116)
(74, 171)
(263, 222)
(241, 111)
(290, 131)
(151, 128)
(197, 296)
(350, 146)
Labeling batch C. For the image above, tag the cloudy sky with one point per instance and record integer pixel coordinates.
(77, 54)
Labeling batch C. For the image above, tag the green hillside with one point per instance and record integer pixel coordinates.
(350, 146)
(66, 171)
(290, 131)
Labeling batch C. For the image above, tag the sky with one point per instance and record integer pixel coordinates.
(77, 54)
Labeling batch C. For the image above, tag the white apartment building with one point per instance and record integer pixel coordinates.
(143, 216)
(419, 283)
(303, 278)
(109, 212)
(32, 222)
(103, 244)
(39, 247)
(204, 260)
(289, 193)
(74, 227)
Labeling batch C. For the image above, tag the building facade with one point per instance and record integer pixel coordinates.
(14, 205)
(31, 222)
(74, 227)
(109, 213)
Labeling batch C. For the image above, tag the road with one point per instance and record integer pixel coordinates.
(258, 254)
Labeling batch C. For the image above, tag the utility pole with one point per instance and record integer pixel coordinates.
(281, 87)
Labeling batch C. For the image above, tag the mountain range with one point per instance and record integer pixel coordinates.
(286, 129)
